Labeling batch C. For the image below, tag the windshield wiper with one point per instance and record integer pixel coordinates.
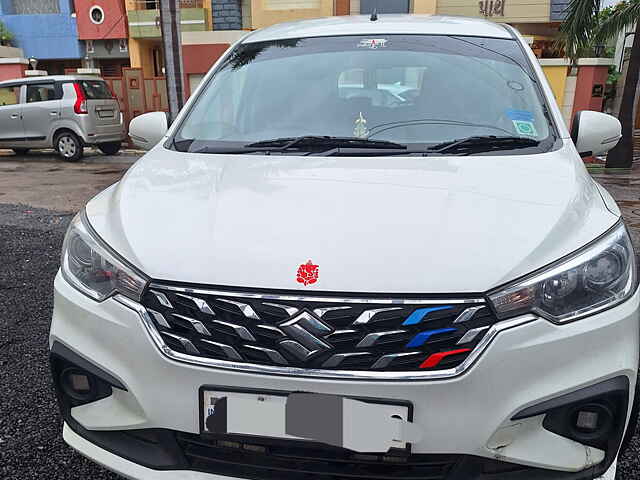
(320, 142)
(483, 143)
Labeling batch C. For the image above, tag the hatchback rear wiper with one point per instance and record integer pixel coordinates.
(483, 143)
(320, 142)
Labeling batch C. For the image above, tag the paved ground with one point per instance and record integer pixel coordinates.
(30, 240)
(40, 179)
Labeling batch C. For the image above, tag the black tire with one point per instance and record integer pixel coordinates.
(20, 151)
(68, 146)
(111, 148)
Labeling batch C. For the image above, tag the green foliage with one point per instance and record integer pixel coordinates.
(586, 25)
(6, 37)
(614, 75)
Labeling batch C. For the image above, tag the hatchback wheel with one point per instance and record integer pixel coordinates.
(111, 148)
(68, 146)
(20, 151)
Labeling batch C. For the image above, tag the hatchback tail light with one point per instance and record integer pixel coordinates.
(80, 106)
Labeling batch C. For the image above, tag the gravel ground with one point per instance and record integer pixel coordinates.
(31, 445)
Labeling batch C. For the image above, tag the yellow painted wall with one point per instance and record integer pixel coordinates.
(424, 6)
(521, 11)
(270, 12)
(135, 53)
(140, 56)
(208, 18)
(557, 77)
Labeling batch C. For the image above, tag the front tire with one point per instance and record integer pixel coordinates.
(69, 146)
(111, 148)
(20, 151)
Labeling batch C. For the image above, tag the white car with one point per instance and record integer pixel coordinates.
(295, 285)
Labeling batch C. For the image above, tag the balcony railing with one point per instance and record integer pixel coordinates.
(145, 22)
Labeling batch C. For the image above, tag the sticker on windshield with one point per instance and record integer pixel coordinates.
(525, 128)
(373, 43)
(523, 121)
(521, 115)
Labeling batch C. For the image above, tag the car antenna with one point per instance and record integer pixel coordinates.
(374, 15)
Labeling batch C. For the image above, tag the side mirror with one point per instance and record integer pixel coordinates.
(595, 133)
(148, 129)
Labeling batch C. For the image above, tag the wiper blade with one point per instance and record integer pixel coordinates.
(325, 142)
(483, 143)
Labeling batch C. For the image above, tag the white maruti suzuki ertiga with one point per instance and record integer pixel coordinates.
(366, 249)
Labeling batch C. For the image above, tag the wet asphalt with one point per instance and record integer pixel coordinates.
(31, 445)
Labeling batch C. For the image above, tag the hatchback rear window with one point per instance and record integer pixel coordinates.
(95, 89)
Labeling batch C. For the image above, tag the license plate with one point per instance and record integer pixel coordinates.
(359, 424)
(105, 113)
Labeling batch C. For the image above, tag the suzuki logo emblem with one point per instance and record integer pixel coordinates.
(306, 333)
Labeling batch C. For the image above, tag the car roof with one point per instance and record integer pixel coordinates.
(47, 78)
(385, 25)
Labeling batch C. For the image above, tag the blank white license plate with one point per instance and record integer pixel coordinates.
(364, 425)
(105, 113)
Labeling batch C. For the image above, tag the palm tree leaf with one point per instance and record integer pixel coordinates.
(622, 18)
(579, 25)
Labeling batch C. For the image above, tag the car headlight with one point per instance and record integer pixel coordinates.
(93, 268)
(596, 277)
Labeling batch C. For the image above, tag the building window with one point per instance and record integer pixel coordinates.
(124, 46)
(90, 47)
(96, 14)
(388, 6)
(31, 7)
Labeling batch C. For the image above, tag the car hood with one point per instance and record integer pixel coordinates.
(377, 225)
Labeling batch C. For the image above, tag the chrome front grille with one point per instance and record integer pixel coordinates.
(317, 333)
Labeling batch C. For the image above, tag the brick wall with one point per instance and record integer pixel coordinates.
(227, 15)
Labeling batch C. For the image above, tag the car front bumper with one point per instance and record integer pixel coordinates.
(468, 416)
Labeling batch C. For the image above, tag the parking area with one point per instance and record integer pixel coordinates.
(39, 194)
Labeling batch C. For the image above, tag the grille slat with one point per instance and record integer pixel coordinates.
(318, 333)
(265, 459)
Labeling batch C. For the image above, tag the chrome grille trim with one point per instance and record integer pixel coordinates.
(246, 309)
(202, 305)
(386, 360)
(291, 311)
(272, 354)
(467, 315)
(338, 358)
(186, 343)
(369, 315)
(328, 299)
(162, 298)
(321, 311)
(470, 335)
(228, 350)
(197, 325)
(372, 338)
(389, 376)
(160, 319)
(239, 330)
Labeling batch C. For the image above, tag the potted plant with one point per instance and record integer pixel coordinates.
(6, 37)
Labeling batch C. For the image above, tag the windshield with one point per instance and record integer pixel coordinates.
(414, 90)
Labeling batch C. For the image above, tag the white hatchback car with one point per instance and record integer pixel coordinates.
(313, 277)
